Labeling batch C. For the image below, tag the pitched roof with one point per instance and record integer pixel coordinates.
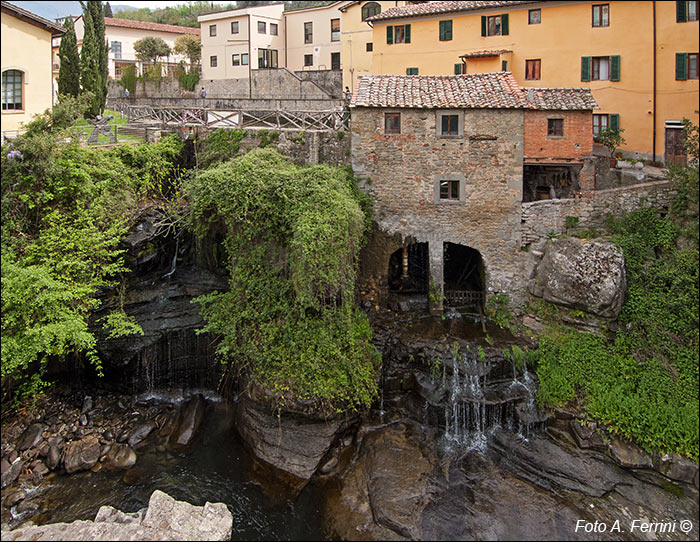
(496, 90)
(142, 25)
(33, 18)
(495, 52)
(561, 99)
(477, 91)
(434, 8)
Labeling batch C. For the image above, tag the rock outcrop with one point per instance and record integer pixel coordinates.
(164, 519)
(582, 275)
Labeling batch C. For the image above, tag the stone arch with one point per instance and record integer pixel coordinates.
(464, 276)
(409, 269)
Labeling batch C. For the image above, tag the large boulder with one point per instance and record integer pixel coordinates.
(164, 519)
(583, 275)
(191, 416)
(81, 454)
(30, 437)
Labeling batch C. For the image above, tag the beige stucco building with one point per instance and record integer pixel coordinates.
(26, 65)
(314, 38)
(239, 40)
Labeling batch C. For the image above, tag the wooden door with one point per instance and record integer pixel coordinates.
(674, 151)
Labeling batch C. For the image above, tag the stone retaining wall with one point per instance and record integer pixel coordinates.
(542, 218)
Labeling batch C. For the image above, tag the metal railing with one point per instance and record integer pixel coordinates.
(464, 298)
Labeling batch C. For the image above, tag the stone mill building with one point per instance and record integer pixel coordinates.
(448, 161)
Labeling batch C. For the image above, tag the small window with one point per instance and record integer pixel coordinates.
(601, 15)
(392, 123)
(236, 60)
(308, 32)
(460, 68)
(212, 61)
(532, 70)
(449, 190)
(267, 58)
(411, 71)
(504, 65)
(494, 25)
(308, 60)
(534, 16)
(234, 27)
(605, 121)
(369, 47)
(274, 29)
(686, 11)
(335, 29)
(244, 59)
(600, 68)
(398, 34)
(335, 61)
(370, 9)
(555, 127)
(445, 30)
(692, 65)
(12, 90)
(212, 30)
(262, 27)
(117, 49)
(449, 125)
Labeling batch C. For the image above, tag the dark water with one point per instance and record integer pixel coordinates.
(217, 469)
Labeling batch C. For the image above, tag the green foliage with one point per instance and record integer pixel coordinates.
(498, 311)
(190, 46)
(93, 57)
(267, 138)
(219, 146)
(128, 79)
(69, 70)
(293, 238)
(610, 139)
(154, 74)
(64, 210)
(187, 80)
(151, 48)
(644, 383)
(435, 295)
(571, 221)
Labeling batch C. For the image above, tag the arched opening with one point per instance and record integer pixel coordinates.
(464, 277)
(408, 269)
(370, 9)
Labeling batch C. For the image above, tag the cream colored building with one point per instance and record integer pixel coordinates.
(356, 37)
(239, 40)
(26, 65)
(314, 38)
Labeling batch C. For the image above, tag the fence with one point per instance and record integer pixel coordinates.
(464, 298)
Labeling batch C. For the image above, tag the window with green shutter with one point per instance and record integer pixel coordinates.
(407, 33)
(680, 11)
(445, 30)
(398, 34)
(614, 121)
(585, 68)
(681, 64)
(615, 68)
(494, 25)
(483, 25)
(390, 34)
(459, 69)
(411, 71)
(504, 24)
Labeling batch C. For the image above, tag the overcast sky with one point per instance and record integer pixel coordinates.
(153, 4)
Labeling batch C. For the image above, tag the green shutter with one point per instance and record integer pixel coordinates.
(458, 69)
(445, 30)
(390, 34)
(681, 65)
(614, 123)
(615, 68)
(407, 33)
(504, 65)
(483, 25)
(585, 68)
(504, 24)
(680, 12)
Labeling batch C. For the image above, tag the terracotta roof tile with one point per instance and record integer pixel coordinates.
(496, 90)
(434, 8)
(477, 91)
(35, 19)
(495, 52)
(142, 25)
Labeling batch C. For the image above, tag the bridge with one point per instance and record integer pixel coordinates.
(188, 117)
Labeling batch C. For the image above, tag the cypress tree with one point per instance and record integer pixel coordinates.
(93, 56)
(108, 10)
(69, 72)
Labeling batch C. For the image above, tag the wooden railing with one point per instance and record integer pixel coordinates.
(464, 298)
(333, 120)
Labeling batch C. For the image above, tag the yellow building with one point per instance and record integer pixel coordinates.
(313, 38)
(26, 65)
(640, 59)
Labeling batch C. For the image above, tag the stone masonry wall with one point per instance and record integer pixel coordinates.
(399, 172)
(542, 218)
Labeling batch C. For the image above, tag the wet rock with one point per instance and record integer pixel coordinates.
(13, 455)
(295, 442)
(629, 455)
(121, 456)
(533, 324)
(4, 465)
(166, 422)
(12, 473)
(123, 436)
(165, 519)
(87, 404)
(140, 433)
(191, 416)
(14, 496)
(43, 448)
(30, 437)
(83, 420)
(329, 465)
(108, 435)
(104, 450)
(53, 458)
(27, 506)
(39, 468)
(81, 454)
(582, 274)
(587, 436)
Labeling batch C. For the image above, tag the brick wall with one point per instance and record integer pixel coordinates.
(399, 172)
(541, 218)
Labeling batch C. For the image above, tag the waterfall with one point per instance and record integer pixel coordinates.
(174, 262)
